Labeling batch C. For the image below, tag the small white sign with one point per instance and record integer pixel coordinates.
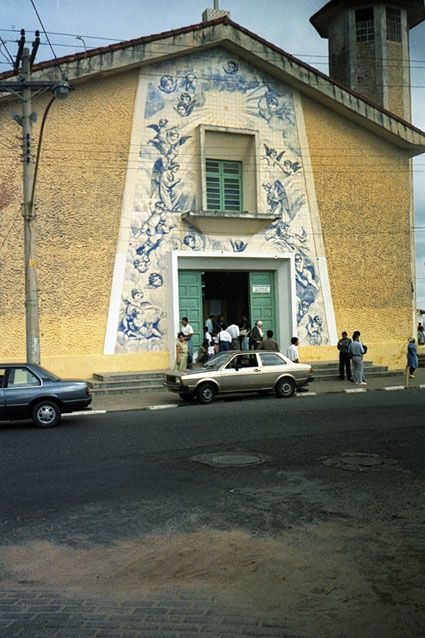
(264, 289)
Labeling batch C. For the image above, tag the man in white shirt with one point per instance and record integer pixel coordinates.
(292, 351)
(187, 330)
(224, 339)
(233, 331)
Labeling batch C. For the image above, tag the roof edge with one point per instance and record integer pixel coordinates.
(225, 21)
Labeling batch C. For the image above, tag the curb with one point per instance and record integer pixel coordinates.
(168, 406)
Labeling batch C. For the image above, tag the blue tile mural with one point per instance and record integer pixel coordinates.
(212, 88)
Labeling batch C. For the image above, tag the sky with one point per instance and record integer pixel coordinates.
(282, 22)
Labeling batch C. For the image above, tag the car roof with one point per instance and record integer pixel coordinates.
(17, 363)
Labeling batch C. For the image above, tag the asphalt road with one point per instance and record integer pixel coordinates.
(101, 480)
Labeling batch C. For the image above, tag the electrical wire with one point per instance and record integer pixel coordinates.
(48, 40)
(7, 51)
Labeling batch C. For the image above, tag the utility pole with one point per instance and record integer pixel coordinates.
(23, 87)
(32, 321)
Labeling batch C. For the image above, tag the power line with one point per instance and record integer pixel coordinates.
(7, 51)
(48, 39)
(126, 39)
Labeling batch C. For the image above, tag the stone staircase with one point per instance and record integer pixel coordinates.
(125, 382)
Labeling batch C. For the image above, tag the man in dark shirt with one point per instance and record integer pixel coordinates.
(344, 356)
(269, 343)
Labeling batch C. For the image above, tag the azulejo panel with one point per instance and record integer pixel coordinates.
(211, 89)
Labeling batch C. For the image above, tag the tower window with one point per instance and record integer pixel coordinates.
(393, 24)
(365, 28)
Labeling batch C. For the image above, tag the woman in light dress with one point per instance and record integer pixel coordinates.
(182, 351)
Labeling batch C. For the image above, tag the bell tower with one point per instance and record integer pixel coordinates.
(369, 47)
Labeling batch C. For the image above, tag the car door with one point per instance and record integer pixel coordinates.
(2, 401)
(22, 385)
(241, 374)
(272, 365)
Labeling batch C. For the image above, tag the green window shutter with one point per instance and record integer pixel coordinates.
(224, 185)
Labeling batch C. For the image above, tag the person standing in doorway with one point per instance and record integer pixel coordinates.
(233, 330)
(224, 339)
(357, 352)
(187, 331)
(421, 335)
(344, 356)
(209, 324)
(207, 335)
(256, 335)
(412, 358)
(244, 329)
(293, 350)
(182, 351)
(269, 343)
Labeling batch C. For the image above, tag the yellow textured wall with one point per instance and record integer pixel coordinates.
(79, 198)
(362, 186)
(363, 192)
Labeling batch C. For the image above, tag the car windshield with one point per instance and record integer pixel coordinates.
(217, 361)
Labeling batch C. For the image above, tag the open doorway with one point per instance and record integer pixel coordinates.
(225, 293)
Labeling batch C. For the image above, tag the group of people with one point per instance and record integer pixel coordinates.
(220, 337)
(352, 351)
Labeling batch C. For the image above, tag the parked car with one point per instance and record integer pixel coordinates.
(28, 391)
(238, 371)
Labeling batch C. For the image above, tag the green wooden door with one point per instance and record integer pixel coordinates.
(190, 302)
(262, 299)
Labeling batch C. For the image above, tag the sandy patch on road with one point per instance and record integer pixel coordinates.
(311, 582)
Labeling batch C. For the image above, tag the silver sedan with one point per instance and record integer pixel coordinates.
(238, 371)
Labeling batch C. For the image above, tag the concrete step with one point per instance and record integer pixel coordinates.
(148, 383)
(126, 389)
(127, 376)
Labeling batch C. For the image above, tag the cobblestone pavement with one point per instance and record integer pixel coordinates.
(43, 614)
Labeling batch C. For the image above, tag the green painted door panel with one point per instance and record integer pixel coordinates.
(190, 302)
(262, 299)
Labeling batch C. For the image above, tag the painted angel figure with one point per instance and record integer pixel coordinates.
(273, 158)
(163, 178)
(167, 84)
(190, 82)
(277, 199)
(314, 330)
(185, 105)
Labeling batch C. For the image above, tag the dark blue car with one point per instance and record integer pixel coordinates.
(27, 391)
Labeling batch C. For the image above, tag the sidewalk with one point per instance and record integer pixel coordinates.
(163, 399)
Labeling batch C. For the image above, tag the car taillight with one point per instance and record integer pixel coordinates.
(311, 371)
(87, 391)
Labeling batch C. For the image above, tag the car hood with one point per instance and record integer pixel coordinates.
(185, 373)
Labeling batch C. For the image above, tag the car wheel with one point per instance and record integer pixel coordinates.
(46, 414)
(285, 388)
(206, 393)
(186, 396)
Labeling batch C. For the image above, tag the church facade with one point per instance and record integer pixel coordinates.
(205, 171)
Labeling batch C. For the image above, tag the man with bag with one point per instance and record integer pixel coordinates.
(344, 356)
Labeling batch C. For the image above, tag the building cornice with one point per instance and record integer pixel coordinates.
(223, 32)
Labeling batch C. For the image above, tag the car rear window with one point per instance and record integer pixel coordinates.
(271, 359)
(22, 377)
